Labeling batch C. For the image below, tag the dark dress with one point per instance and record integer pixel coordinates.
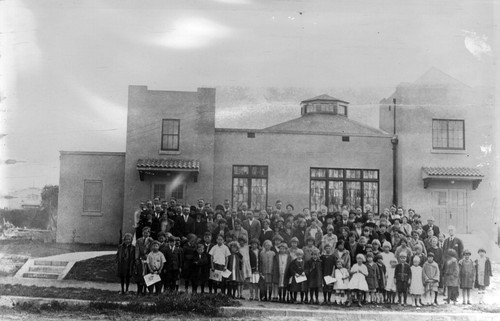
(125, 258)
(200, 269)
(372, 277)
(296, 267)
(314, 273)
(329, 263)
(381, 278)
(189, 254)
(402, 274)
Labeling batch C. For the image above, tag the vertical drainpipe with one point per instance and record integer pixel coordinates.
(394, 141)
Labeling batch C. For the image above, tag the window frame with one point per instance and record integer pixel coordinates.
(448, 134)
(178, 135)
(345, 180)
(249, 178)
(84, 207)
(168, 192)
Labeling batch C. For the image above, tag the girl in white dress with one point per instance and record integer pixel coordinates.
(390, 286)
(358, 279)
(417, 284)
(341, 285)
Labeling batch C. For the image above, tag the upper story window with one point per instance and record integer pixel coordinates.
(324, 105)
(448, 134)
(170, 134)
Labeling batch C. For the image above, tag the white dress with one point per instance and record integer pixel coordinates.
(341, 283)
(247, 269)
(417, 284)
(358, 280)
(391, 282)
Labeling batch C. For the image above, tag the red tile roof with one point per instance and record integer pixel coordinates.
(162, 163)
(453, 171)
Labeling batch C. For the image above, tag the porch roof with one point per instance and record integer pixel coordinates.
(151, 166)
(452, 174)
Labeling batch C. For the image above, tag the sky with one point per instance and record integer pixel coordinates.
(65, 66)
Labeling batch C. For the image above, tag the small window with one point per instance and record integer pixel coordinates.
(250, 135)
(92, 196)
(341, 109)
(448, 134)
(170, 134)
(345, 138)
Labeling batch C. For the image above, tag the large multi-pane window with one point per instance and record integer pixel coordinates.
(92, 196)
(448, 134)
(250, 186)
(170, 134)
(336, 187)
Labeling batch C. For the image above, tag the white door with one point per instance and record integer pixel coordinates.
(449, 207)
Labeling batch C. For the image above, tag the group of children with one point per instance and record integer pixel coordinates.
(277, 272)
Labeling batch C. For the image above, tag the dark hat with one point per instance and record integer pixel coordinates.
(171, 239)
(252, 241)
(430, 254)
(358, 220)
(219, 207)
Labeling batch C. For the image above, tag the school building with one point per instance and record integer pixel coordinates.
(434, 162)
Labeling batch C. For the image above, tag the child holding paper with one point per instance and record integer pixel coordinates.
(219, 258)
(156, 260)
(297, 270)
(328, 260)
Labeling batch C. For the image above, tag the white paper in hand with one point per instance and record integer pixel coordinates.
(300, 278)
(329, 280)
(226, 274)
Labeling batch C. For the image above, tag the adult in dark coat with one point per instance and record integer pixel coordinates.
(185, 223)
(453, 243)
(344, 223)
(430, 225)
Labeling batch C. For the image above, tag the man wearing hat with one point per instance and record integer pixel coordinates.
(430, 225)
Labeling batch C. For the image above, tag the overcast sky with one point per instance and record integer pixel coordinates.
(66, 65)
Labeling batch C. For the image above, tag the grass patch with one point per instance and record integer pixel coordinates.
(98, 269)
(35, 249)
(102, 301)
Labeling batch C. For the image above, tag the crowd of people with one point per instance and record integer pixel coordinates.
(351, 256)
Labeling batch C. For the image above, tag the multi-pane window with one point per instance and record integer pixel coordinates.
(335, 187)
(165, 191)
(250, 186)
(92, 196)
(448, 134)
(170, 134)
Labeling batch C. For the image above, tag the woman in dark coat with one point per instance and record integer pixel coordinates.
(125, 257)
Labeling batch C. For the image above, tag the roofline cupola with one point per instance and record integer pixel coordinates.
(324, 104)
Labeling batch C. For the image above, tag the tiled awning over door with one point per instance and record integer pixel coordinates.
(453, 174)
(153, 166)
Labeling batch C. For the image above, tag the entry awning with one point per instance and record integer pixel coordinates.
(153, 166)
(453, 174)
